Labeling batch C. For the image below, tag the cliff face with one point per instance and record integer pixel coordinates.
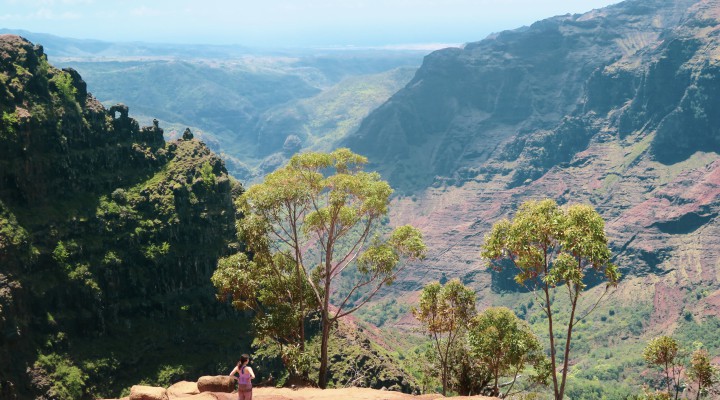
(465, 105)
(106, 233)
(617, 107)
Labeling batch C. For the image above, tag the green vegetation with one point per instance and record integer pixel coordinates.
(551, 247)
(682, 371)
(382, 312)
(444, 313)
(663, 352)
(472, 352)
(64, 84)
(320, 203)
(506, 345)
(704, 374)
(8, 125)
(319, 99)
(107, 236)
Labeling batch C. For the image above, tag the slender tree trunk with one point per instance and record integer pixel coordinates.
(322, 374)
(667, 378)
(444, 378)
(511, 385)
(322, 377)
(552, 344)
(496, 388)
(567, 343)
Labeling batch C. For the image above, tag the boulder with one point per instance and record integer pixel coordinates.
(183, 389)
(140, 392)
(218, 383)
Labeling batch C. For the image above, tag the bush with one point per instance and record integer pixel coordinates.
(68, 381)
(64, 84)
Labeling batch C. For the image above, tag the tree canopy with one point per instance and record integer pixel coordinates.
(313, 222)
(552, 247)
(444, 313)
(506, 345)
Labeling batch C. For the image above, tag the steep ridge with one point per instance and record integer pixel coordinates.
(464, 105)
(617, 108)
(108, 235)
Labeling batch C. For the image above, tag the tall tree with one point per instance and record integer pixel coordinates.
(444, 313)
(703, 372)
(663, 352)
(551, 247)
(506, 345)
(323, 214)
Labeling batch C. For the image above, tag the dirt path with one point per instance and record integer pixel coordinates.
(337, 394)
(189, 391)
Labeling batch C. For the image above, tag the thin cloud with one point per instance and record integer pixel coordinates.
(48, 14)
(45, 14)
(148, 12)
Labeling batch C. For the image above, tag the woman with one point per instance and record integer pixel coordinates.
(245, 375)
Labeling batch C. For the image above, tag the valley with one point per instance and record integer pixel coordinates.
(616, 108)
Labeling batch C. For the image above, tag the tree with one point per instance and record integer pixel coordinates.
(266, 286)
(506, 345)
(663, 352)
(467, 376)
(552, 247)
(319, 216)
(701, 371)
(444, 312)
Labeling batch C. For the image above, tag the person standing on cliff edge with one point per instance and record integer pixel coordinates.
(245, 375)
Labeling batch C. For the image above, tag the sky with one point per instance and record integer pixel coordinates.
(283, 23)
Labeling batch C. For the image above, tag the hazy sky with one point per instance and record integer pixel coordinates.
(283, 22)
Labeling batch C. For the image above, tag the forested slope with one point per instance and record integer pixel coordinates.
(108, 237)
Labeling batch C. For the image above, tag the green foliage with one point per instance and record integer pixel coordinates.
(170, 374)
(506, 345)
(64, 84)
(68, 380)
(703, 374)
(100, 227)
(155, 252)
(269, 287)
(319, 206)
(444, 312)
(551, 247)
(207, 175)
(8, 125)
(595, 389)
(382, 312)
(662, 352)
(704, 331)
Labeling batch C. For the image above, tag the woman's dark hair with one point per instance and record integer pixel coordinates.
(243, 359)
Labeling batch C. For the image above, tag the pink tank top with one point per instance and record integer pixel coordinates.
(243, 378)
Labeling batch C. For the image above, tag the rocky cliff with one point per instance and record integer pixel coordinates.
(617, 107)
(108, 235)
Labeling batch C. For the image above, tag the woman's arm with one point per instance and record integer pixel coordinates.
(250, 371)
(233, 371)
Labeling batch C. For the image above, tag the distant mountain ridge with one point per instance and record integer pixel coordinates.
(243, 102)
(58, 46)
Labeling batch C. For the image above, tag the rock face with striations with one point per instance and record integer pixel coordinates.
(107, 233)
(617, 107)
